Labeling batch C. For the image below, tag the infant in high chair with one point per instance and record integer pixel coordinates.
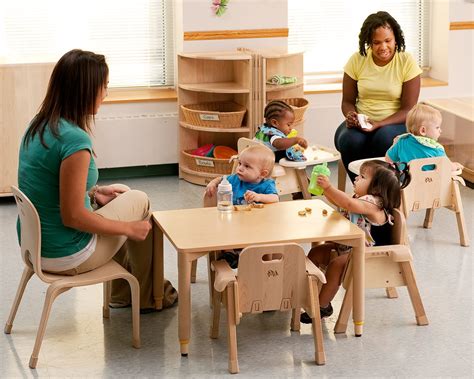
(376, 194)
(275, 132)
(424, 127)
(250, 184)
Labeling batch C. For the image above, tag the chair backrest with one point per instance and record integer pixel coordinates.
(30, 232)
(399, 228)
(271, 277)
(428, 189)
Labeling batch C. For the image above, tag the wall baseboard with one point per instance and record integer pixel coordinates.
(138, 171)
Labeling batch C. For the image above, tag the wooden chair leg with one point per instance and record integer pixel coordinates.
(463, 236)
(25, 277)
(212, 256)
(409, 276)
(428, 223)
(295, 320)
(343, 319)
(341, 176)
(391, 292)
(107, 294)
(231, 330)
(52, 293)
(216, 314)
(193, 271)
(135, 291)
(319, 355)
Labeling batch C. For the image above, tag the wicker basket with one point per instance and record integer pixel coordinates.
(299, 106)
(218, 114)
(206, 164)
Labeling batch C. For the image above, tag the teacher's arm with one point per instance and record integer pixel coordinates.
(410, 94)
(349, 97)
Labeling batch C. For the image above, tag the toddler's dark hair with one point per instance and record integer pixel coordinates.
(374, 21)
(387, 181)
(276, 109)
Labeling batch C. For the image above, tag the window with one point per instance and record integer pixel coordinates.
(328, 31)
(135, 36)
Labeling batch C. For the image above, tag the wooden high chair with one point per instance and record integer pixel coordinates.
(58, 284)
(269, 277)
(386, 267)
(434, 189)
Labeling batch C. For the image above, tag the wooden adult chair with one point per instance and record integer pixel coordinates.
(386, 267)
(434, 189)
(31, 254)
(269, 277)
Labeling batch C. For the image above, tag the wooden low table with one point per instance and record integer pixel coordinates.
(195, 232)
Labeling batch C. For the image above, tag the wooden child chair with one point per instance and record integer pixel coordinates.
(434, 189)
(386, 267)
(31, 254)
(269, 277)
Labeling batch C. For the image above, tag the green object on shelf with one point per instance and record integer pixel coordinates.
(320, 169)
(281, 79)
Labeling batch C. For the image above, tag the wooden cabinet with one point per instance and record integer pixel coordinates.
(22, 89)
(205, 79)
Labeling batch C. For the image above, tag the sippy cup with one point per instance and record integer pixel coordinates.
(321, 169)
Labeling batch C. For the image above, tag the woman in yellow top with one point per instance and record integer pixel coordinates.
(381, 84)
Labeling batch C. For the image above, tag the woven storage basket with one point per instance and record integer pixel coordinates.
(299, 106)
(218, 114)
(206, 164)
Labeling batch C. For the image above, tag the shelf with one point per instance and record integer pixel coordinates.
(195, 177)
(242, 129)
(282, 87)
(222, 56)
(220, 87)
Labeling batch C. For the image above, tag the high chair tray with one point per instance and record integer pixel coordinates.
(314, 154)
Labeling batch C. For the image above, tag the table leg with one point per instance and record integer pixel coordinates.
(303, 182)
(184, 303)
(158, 269)
(358, 274)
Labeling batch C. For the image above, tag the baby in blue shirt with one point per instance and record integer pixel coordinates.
(424, 126)
(251, 182)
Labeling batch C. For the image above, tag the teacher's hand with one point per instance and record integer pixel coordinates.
(351, 120)
(105, 194)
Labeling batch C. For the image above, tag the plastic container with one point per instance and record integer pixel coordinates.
(224, 196)
(320, 169)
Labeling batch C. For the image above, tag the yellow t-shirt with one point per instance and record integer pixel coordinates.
(380, 88)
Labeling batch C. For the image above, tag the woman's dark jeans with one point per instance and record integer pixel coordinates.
(354, 144)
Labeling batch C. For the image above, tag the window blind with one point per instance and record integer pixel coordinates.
(328, 31)
(136, 36)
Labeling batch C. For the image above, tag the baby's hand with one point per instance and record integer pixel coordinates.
(323, 181)
(251, 197)
(302, 142)
(211, 189)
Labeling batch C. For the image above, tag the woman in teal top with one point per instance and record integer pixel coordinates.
(57, 172)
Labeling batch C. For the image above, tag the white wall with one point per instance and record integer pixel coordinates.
(147, 133)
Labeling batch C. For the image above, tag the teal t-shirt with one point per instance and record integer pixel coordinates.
(38, 178)
(409, 147)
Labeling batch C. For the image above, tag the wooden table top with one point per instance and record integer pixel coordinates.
(202, 229)
(460, 106)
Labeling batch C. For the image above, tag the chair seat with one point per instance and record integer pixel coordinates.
(109, 271)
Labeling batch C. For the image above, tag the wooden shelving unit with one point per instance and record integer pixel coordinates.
(211, 77)
(241, 77)
(283, 64)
